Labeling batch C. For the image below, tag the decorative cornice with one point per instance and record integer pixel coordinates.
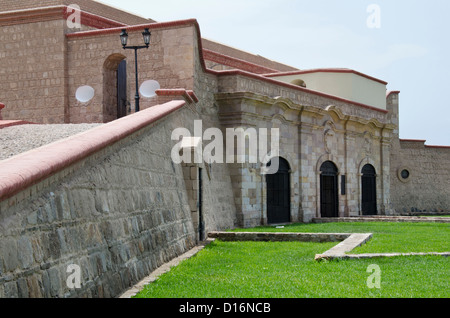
(303, 110)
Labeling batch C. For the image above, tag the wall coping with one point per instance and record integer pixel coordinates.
(423, 141)
(24, 170)
(389, 93)
(10, 123)
(235, 62)
(326, 70)
(52, 13)
(188, 95)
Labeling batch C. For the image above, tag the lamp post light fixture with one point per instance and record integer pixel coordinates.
(124, 40)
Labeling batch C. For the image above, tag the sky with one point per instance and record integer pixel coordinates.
(403, 42)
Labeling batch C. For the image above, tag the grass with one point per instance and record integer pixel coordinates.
(388, 237)
(288, 269)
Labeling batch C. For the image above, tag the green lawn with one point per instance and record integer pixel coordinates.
(288, 269)
(388, 237)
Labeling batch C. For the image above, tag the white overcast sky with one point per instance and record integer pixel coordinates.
(410, 49)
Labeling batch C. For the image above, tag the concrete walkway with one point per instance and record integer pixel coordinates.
(347, 245)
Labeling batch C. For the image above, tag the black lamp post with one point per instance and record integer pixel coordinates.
(124, 39)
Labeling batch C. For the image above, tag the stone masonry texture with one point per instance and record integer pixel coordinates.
(119, 217)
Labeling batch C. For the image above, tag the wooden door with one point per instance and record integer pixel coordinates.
(368, 191)
(278, 194)
(329, 190)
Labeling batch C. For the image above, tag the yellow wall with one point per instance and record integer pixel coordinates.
(346, 85)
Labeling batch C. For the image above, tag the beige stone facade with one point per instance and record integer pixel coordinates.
(44, 62)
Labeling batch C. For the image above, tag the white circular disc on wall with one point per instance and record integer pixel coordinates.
(84, 93)
(149, 88)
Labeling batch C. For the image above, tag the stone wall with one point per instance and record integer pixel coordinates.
(118, 213)
(32, 71)
(427, 188)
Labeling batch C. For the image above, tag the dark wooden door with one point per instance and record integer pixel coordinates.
(329, 190)
(122, 89)
(278, 194)
(369, 191)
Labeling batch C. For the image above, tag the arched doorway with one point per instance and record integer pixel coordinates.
(279, 194)
(329, 190)
(114, 87)
(368, 190)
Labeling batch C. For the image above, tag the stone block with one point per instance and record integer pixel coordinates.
(25, 252)
(9, 253)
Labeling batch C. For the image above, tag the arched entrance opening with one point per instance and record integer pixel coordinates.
(279, 194)
(368, 190)
(329, 190)
(114, 87)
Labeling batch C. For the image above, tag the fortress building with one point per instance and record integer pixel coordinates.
(113, 200)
